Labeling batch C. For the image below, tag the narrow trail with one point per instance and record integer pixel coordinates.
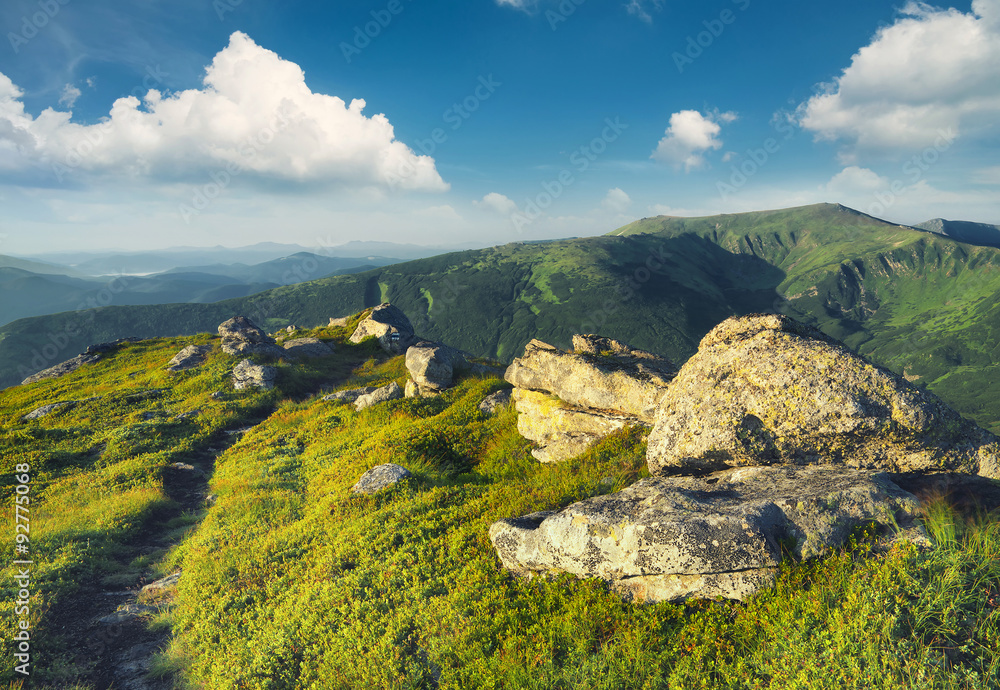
(105, 631)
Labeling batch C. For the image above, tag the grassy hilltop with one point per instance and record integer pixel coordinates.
(919, 303)
(289, 581)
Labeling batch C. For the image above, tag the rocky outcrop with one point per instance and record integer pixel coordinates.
(560, 430)
(495, 402)
(246, 374)
(568, 400)
(390, 326)
(349, 396)
(51, 408)
(765, 389)
(667, 538)
(383, 394)
(339, 322)
(61, 369)
(241, 336)
(380, 477)
(190, 357)
(307, 348)
(623, 379)
(434, 366)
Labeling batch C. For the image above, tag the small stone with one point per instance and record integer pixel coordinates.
(491, 404)
(349, 396)
(307, 348)
(190, 357)
(380, 477)
(379, 395)
(46, 410)
(246, 374)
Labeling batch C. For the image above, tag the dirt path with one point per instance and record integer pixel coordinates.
(105, 631)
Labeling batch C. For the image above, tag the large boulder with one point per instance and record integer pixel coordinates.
(566, 401)
(560, 430)
(667, 538)
(617, 378)
(433, 367)
(241, 336)
(379, 395)
(190, 357)
(390, 325)
(766, 389)
(246, 374)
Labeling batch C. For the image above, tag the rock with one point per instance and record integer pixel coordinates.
(218, 395)
(187, 415)
(291, 329)
(383, 394)
(163, 584)
(626, 380)
(51, 408)
(390, 325)
(61, 369)
(380, 477)
(433, 366)
(411, 390)
(339, 322)
(766, 389)
(190, 357)
(246, 374)
(562, 431)
(492, 403)
(667, 538)
(349, 396)
(241, 336)
(113, 346)
(307, 347)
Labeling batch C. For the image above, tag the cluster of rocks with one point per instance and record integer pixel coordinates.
(566, 401)
(771, 434)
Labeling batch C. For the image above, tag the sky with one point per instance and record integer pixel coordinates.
(151, 124)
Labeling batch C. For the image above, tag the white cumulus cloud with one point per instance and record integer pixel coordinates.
(642, 9)
(932, 71)
(69, 95)
(254, 112)
(616, 201)
(497, 203)
(689, 136)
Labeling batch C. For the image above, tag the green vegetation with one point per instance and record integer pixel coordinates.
(290, 581)
(915, 302)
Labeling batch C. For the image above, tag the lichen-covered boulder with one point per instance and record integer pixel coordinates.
(246, 374)
(560, 430)
(766, 389)
(241, 336)
(307, 348)
(595, 378)
(667, 538)
(379, 395)
(51, 408)
(380, 477)
(190, 357)
(390, 325)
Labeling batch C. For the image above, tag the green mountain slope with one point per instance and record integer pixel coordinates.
(919, 303)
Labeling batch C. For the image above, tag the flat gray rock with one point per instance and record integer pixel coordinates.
(380, 477)
(190, 357)
(669, 538)
(349, 396)
(379, 395)
(61, 369)
(307, 348)
(46, 410)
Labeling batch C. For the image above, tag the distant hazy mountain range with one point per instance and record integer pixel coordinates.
(983, 234)
(919, 302)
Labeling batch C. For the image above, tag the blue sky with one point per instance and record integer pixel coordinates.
(152, 124)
